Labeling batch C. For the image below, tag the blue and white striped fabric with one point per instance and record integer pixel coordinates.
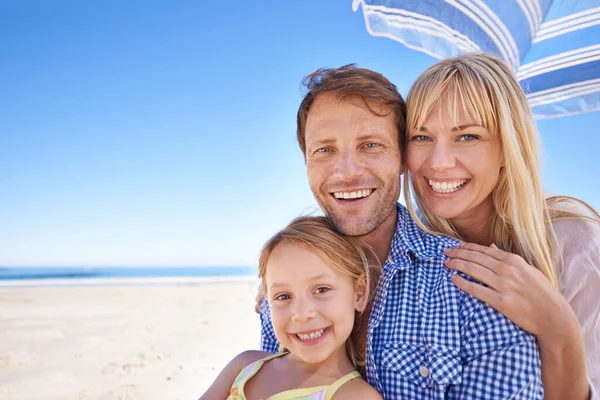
(553, 45)
(429, 340)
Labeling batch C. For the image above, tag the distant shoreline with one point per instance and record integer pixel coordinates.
(96, 276)
(173, 280)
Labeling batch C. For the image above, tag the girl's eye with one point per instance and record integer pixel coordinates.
(468, 138)
(283, 296)
(322, 289)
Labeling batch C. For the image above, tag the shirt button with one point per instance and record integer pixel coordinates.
(424, 371)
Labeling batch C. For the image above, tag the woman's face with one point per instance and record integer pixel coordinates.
(455, 165)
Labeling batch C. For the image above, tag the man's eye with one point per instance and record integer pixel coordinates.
(283, 296)
(372, 145)
(324, 150)
(322, 289)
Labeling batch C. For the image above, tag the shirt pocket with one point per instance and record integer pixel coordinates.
(424, 366)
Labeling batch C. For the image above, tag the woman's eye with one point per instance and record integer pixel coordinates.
(419, 138)
(468, 138)
(283, 296)
(322, 289)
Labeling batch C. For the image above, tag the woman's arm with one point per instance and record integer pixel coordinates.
(578, 254)
(220, 388)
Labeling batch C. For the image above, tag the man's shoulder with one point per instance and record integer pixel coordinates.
(410, 236)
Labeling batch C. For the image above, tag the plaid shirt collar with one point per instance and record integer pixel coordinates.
(409, 239)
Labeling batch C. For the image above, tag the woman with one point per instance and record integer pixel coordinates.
(472, 154)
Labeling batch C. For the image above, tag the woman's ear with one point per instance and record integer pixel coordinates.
(360, 290)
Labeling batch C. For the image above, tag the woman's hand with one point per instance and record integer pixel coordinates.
(514, 288)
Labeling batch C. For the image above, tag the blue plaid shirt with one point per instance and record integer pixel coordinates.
(429, 340)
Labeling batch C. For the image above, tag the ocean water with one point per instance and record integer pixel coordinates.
(36, 276)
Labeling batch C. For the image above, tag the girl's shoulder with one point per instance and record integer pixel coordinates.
(223, 384)
(248, 357)
(357, 389)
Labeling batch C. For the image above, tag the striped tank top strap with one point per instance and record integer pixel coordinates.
(338, 384)
(237, 389)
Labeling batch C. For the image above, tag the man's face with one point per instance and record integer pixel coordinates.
(353, 162)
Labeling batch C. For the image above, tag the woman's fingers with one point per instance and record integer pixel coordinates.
(475, 256)
(483, 293)
(475, 271)
(492, 251)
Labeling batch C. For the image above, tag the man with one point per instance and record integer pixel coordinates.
(425, 338)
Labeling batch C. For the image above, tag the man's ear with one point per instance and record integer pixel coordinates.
(360, 290)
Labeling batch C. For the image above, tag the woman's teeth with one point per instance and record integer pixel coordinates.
(446, 187)
(312, 335)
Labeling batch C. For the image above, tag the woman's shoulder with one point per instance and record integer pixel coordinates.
(564, 206)
(573, 220)
(576, 243)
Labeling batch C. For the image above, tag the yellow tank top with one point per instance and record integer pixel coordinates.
(324, 392)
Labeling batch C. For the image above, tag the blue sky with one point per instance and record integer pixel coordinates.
(163, 132)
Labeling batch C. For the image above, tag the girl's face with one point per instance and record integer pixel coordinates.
(455, 166)
(312, 305)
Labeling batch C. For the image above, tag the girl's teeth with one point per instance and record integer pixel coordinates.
(311, 335)
(446, 187)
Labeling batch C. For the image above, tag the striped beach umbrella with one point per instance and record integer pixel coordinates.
(553, 46)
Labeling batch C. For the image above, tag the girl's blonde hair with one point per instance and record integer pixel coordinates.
(343, 254)
(485, 89)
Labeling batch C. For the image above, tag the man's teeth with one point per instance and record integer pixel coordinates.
(311, 335)
(446, 187)
(353, 195)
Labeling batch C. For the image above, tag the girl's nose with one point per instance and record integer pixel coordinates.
(303, 309)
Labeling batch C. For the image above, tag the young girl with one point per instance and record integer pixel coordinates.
(317, 283)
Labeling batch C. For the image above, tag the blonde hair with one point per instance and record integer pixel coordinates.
(485, 89)
(342, 253)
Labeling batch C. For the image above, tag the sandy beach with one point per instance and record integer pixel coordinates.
(121, 342)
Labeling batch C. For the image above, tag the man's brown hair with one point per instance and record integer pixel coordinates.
(350, 81)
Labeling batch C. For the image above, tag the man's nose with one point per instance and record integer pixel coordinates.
(303, 309)
(348, 165)
(441, 157)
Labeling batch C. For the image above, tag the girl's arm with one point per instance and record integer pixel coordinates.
(220, 388)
